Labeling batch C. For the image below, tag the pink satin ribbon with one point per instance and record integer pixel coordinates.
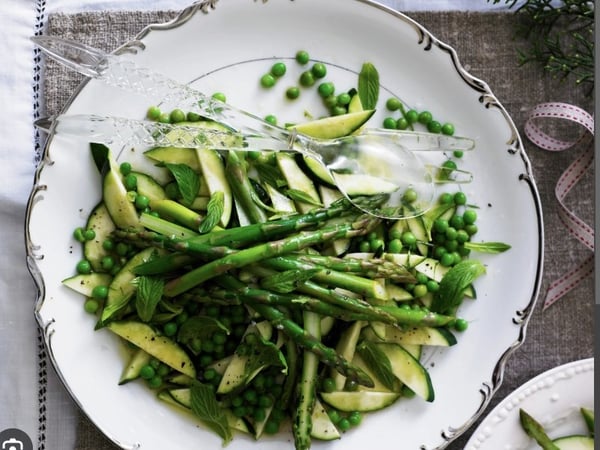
(569, 178)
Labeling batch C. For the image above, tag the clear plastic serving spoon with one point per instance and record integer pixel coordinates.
(383, 158)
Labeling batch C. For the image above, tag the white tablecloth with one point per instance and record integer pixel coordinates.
(20, 368)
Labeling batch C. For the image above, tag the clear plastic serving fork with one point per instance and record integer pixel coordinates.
(384, 158)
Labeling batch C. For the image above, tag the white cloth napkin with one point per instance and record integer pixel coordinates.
(24, 378)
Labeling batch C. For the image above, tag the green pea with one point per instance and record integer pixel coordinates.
(100, 292)
(91, 306)
(462, 236)
(338, 110)
(328, 385)
(471, 229)
(395, 246)
(153, 113)
(412, 116)
(389, 123)
(344, 99)
(451, 245)
(219, 96)
(355, 418)
(239, 411)
(170, 329)
(163, 370)
(425, 117)
(446, 198)
(107, 262)
(402, 123)
(83, 267)
(447, 260)
(125, 168)
(433, 286)
(470, 216)
(434, 126)
(420, 290)
(326, 89)
(438, 252)
(177, 115)
(250, 396)
(319, 70)
(410, 196)
(451, 233)
(447, 129)
(164, 118)
(142, 202)
(460, 198)
(457, 221)
(155, 382)
(306, 79)
(267, 80)
(78, 234)
(461, 324)
(440, 225)
(89, 234)
(271, 427)
(193, 117)
(219, 337)
(130, 182)
(302, 57)
(334, 415)
(393, 104)
(270, 118)
(408, 238)
(147, 372)
(210, 374)
(278, 69)
(458, 153)
(292, 93)
(343, 424)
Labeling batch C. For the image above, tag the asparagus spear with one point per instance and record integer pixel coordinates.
(260, 252)
(535, 430)
(302, 424)
(281, 321)
(237, 176)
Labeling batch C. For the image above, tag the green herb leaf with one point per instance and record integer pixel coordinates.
(214, 211)
(270, 174)
(187, 180)
(199, 327)
(148, 295)
(487, 247)
(452, 287)
(263, 354)
(206, 407)
(287, 281)
(379, 363)
(300, 196)
(368, 86)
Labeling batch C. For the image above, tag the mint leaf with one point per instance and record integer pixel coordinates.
(199, 327)
(487, 247)
(263, 354)
(379, 363)
(270, 174)
(300, 196)
(368, 86)
(452, 287)
(148, 295)
(206, 407)
(187, 181)
(214, 211)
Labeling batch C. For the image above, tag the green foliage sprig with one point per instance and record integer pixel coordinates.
(561, 37)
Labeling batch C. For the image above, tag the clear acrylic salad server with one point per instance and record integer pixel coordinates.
(386, 156)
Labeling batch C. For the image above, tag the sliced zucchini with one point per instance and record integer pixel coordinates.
(118, 203)
(419, 336)
(322, 426)
(575, 442)
(436, 271)
(149, 187)
(409, 370)
(173, 155)
(161, 347)
(362, 401)
(298, 181)
(121, 288)
(418, 228)
(139, 358)
(102, 224)
(335, 126)
(346, 347)
(213, 171)
(84, 284)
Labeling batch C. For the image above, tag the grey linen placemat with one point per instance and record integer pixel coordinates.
(485, 45)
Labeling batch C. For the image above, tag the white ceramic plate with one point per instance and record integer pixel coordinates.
(226, 46)
(553, 398)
